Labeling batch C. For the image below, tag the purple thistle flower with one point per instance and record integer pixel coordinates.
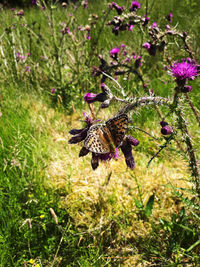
(114, 52)
(166, 130)
(119, 9)
(85, 4)
(53, 90)
(134, 6)
(163, 123)
(146, 45)
(186, 89)
(27, 68)
(80, 134)
(20, 13)
(43, 7)
(138, 62)
(103, 157)
(146, 21)
(126, 148)
(169, 17)
(91, 98)
(130, 27)
(184, 70)
(154, 25)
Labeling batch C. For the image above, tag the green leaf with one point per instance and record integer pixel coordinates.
(149, 206)
(138, 204)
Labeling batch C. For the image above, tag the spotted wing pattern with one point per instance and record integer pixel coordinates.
(95, 141)
(117, 127)
(105, 138)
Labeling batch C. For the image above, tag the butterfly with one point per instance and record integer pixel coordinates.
(104, 138)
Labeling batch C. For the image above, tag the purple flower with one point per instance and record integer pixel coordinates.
(53, 90)
(186, 89)
(43, 7)
(166, 130)
(85, 4)
(146, 21)
(169, 17)
(154, 25)
(88, 37)
(34, 2)
(138, 62)
(119, 9)
(184, 70)
(130, 27)
(80, 134)
(114, 52)
(151, 48)
(126, 148)
(20, 13)
(167, 27)
(91, 98)
(163, 123)
(135, 6)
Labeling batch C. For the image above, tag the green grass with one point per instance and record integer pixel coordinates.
(56, 211)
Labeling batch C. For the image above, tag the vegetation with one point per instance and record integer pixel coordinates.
(55, 210)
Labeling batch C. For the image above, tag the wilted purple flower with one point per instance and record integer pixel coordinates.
(126, 148)
(119, 9)
(186, 89)
(166, 130)
(53, 90)
(151, 48)
(163, 123)
(103, 157)
(135, 6)
(138, 62)
(184, 70)
(80, 134)
(169, 17)
(88, 37)
(146, 21)
(91, 98)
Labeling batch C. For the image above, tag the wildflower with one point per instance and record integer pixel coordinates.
(80, 134)
(20, 13)
(88, 37)
(103, 157)
(34, 2)
(154, 25)
(53, 90)
(151, 48)
(135, 6)
(166, 130)
(85, 4)
(167, 27)
(70, 15)
(114, 52)
(31, 261)
(186, 89)
(126, 148)
(146, 21)
(122, 45)
(169, 17)
(138, 62)
(43, 7)
(130, 27)
(184, 70)
(91, 98)
(119, 9)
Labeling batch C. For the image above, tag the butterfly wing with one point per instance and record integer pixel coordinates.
(117, 127)
(95, 141)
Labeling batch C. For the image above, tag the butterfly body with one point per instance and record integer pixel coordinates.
(105, 138)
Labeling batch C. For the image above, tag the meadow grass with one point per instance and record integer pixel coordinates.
(54, 209)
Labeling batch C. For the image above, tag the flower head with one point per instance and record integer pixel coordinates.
(184, 70)
(166, 130)
(91, 98)
(119, 9)
(135, 6)
(126, 148)
(169, 17)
